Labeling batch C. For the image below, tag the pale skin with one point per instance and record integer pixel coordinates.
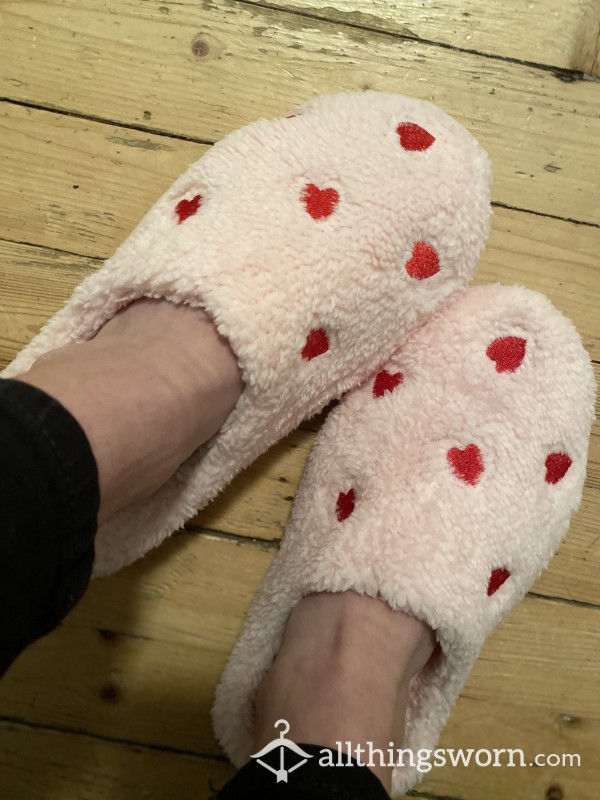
(151, 387)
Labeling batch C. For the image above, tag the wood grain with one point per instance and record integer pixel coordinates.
(549, 32)
(186, 69)
(151, 641)
(58, 765)
(80, 186)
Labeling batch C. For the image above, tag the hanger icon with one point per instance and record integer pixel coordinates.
(282, 744)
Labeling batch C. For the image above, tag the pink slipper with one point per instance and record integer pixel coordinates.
(316, 242)
(443, 485)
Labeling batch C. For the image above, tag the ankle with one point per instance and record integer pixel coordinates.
(150, 388)
(324, 629)
(343, 673)
(179, 343)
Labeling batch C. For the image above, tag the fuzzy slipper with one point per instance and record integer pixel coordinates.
(316, 243)
(443, 486)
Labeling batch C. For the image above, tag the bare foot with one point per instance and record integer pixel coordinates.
(150, 388)
(343, 674)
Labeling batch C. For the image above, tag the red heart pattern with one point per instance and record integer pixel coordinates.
(557, 466)
(414, 137)
(424, 262)
(345, 505)
(187, 208)
(467, 464)
(320, 203)
(508, 352)
(498, 577)
(386, 382)
(317, 343)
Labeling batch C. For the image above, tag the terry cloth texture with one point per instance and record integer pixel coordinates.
(443, 485)
(316, 243)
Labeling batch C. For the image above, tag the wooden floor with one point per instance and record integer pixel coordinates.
(102, 104)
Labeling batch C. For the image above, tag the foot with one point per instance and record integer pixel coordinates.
(343, 674)
(151, 387)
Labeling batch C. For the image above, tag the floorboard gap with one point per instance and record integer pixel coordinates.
(114, 740)
(95, 118)
(198, 530)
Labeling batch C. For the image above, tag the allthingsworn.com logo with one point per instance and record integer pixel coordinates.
(282, 756)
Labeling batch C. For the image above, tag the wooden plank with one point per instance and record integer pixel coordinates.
(80, 186)
(34, 282)
(43, 764)
(559, 259)
(543, 134)
(44, 156)
(151, 641)
(547, 32)
(546, 723)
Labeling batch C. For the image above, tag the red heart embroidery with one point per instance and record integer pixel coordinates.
(345, 505)
(424, 262)
(317, 343)
(557, 466)
(320, 203)
(414, 137)
(187, 208)
(386, 382)
(467, 464)
(508, 352)
(497, 578)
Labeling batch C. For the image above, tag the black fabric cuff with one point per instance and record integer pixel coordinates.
(49, 500)
(309, 781)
